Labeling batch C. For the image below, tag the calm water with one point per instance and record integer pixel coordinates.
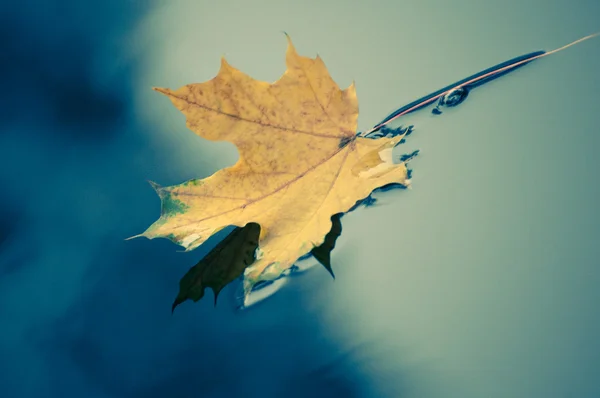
(481, 281)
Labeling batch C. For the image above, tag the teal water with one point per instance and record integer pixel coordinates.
(480, 281)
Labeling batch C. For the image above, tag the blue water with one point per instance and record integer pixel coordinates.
(479, 281)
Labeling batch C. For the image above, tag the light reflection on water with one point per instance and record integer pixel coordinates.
(473, 268)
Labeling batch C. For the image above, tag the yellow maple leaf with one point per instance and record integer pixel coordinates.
(300, 162)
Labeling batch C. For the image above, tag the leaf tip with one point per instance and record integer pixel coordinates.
(350, 92)
(162, 90)
(154, 185)
(291, 50)
(225, 66)
(135, 236)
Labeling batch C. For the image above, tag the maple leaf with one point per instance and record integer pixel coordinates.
(300, 163)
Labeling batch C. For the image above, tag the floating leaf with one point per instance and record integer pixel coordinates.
(301, 167)
(300, 163)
